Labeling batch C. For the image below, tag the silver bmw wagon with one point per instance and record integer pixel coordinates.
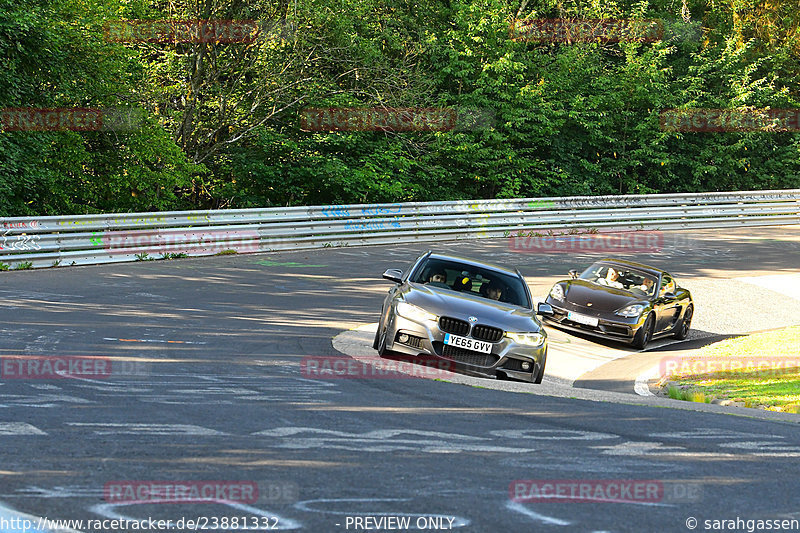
(477, 316)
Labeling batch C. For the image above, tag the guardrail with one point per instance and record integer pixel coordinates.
(37, 242)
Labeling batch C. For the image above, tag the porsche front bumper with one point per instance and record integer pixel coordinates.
(618, 328)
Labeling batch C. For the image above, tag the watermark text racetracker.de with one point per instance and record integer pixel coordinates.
(605, 491)
(690, 366)
(199, 241)
(369, 367)
(181, 491)
(730, 120)
(195, 31)
(608, 30)
(606, 242)
(54, 367)
(20, 119)
(395, 119)
(193, 523)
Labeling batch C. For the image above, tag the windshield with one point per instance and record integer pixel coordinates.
(621, 277)
(470, 279)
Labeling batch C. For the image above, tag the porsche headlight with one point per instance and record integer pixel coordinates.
(528, 339)
(557, 293)
(630, 311)
(415, 313)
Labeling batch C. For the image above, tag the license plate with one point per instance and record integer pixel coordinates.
(467, 343)
(582, 319)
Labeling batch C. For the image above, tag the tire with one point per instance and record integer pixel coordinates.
(377, 337)
(382, 351)
(682, 329)
(538, 379)
(377, 332)
(644, 334)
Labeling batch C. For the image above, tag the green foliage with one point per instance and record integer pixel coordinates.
(221, 126)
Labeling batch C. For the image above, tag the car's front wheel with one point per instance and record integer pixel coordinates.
(538, 379)
(644, 334)
(377, 339)
(682, 329)
(382, 351)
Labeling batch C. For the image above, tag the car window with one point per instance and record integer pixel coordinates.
(621, 277)
(667, 284)
(473, 280)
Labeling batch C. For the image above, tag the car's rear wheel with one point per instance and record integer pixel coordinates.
(682, 329)
(644, 334)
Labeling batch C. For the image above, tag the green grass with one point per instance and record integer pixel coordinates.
(776, 389)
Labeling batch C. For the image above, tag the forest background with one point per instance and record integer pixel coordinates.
(220, 123)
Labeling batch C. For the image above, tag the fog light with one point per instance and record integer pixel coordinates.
(403, 338)
(526, 366)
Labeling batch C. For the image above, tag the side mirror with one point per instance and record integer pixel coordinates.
(394, 274)
(544, 309)
(669, 296)
(573, 274)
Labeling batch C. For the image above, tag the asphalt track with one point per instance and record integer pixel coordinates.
(207, 385)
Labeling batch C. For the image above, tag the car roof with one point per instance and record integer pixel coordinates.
(650, 270)
(475, 262)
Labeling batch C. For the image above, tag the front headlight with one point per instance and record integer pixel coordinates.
(415, 313)
(557, 293)
(528, 339)
(630, 311)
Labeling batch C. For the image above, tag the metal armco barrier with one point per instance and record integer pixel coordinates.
(94, 239)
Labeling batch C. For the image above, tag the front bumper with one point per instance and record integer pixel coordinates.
(427, 339)
(620, 328)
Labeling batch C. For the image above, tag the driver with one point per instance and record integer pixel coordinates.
(494, 290)
(438, 276)
(647, 285)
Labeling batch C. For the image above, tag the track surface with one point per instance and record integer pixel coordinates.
(226, 401)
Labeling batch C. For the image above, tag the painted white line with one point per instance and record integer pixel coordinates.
(549, 520)
(641, 386)
(19, 428)
(152, 340)
(634, 448)
(148, 429)
(297, 438)
(552, 434)
(710, 433)
(785, 284)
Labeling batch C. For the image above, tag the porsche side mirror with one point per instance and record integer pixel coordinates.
(573, 274)
(394, 274)
(669, 296)
(544, 309)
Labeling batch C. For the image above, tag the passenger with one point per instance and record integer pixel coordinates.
(611, 279)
